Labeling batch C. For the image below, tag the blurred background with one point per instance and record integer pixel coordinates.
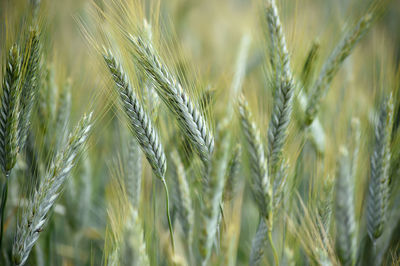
(209, 34)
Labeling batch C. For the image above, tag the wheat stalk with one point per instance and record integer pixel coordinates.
(35, 215)
(171, 92)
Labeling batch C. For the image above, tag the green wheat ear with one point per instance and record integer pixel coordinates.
(9, 112)
(35, 216)
(378, 192)
(31, 65)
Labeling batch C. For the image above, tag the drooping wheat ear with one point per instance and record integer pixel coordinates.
(142, 127)
(35, 215)
(344, 211)
(378, 192)
(183, 198)
(171, 92)
(332, 65)
(213, 191)
(258, 244)
(29, 85)
(260, 181)
(133, 174)
(134, 246)
(9, 112)
(232, 172)
(62, 114)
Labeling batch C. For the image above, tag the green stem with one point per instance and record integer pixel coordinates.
(276, 259)
(168, 216)
(3, 207)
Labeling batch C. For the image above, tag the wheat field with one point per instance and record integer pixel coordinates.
(183, 132)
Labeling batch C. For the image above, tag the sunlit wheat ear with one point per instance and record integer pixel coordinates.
(9, 112)
(29, 84)
(34, 217)
(378, 191)
(133, 174)
(260, 181)
(333, 64)
(344, 211)
(183, 198)
(171, 92)
(258, 244)
(213, 191)
(142, 127)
